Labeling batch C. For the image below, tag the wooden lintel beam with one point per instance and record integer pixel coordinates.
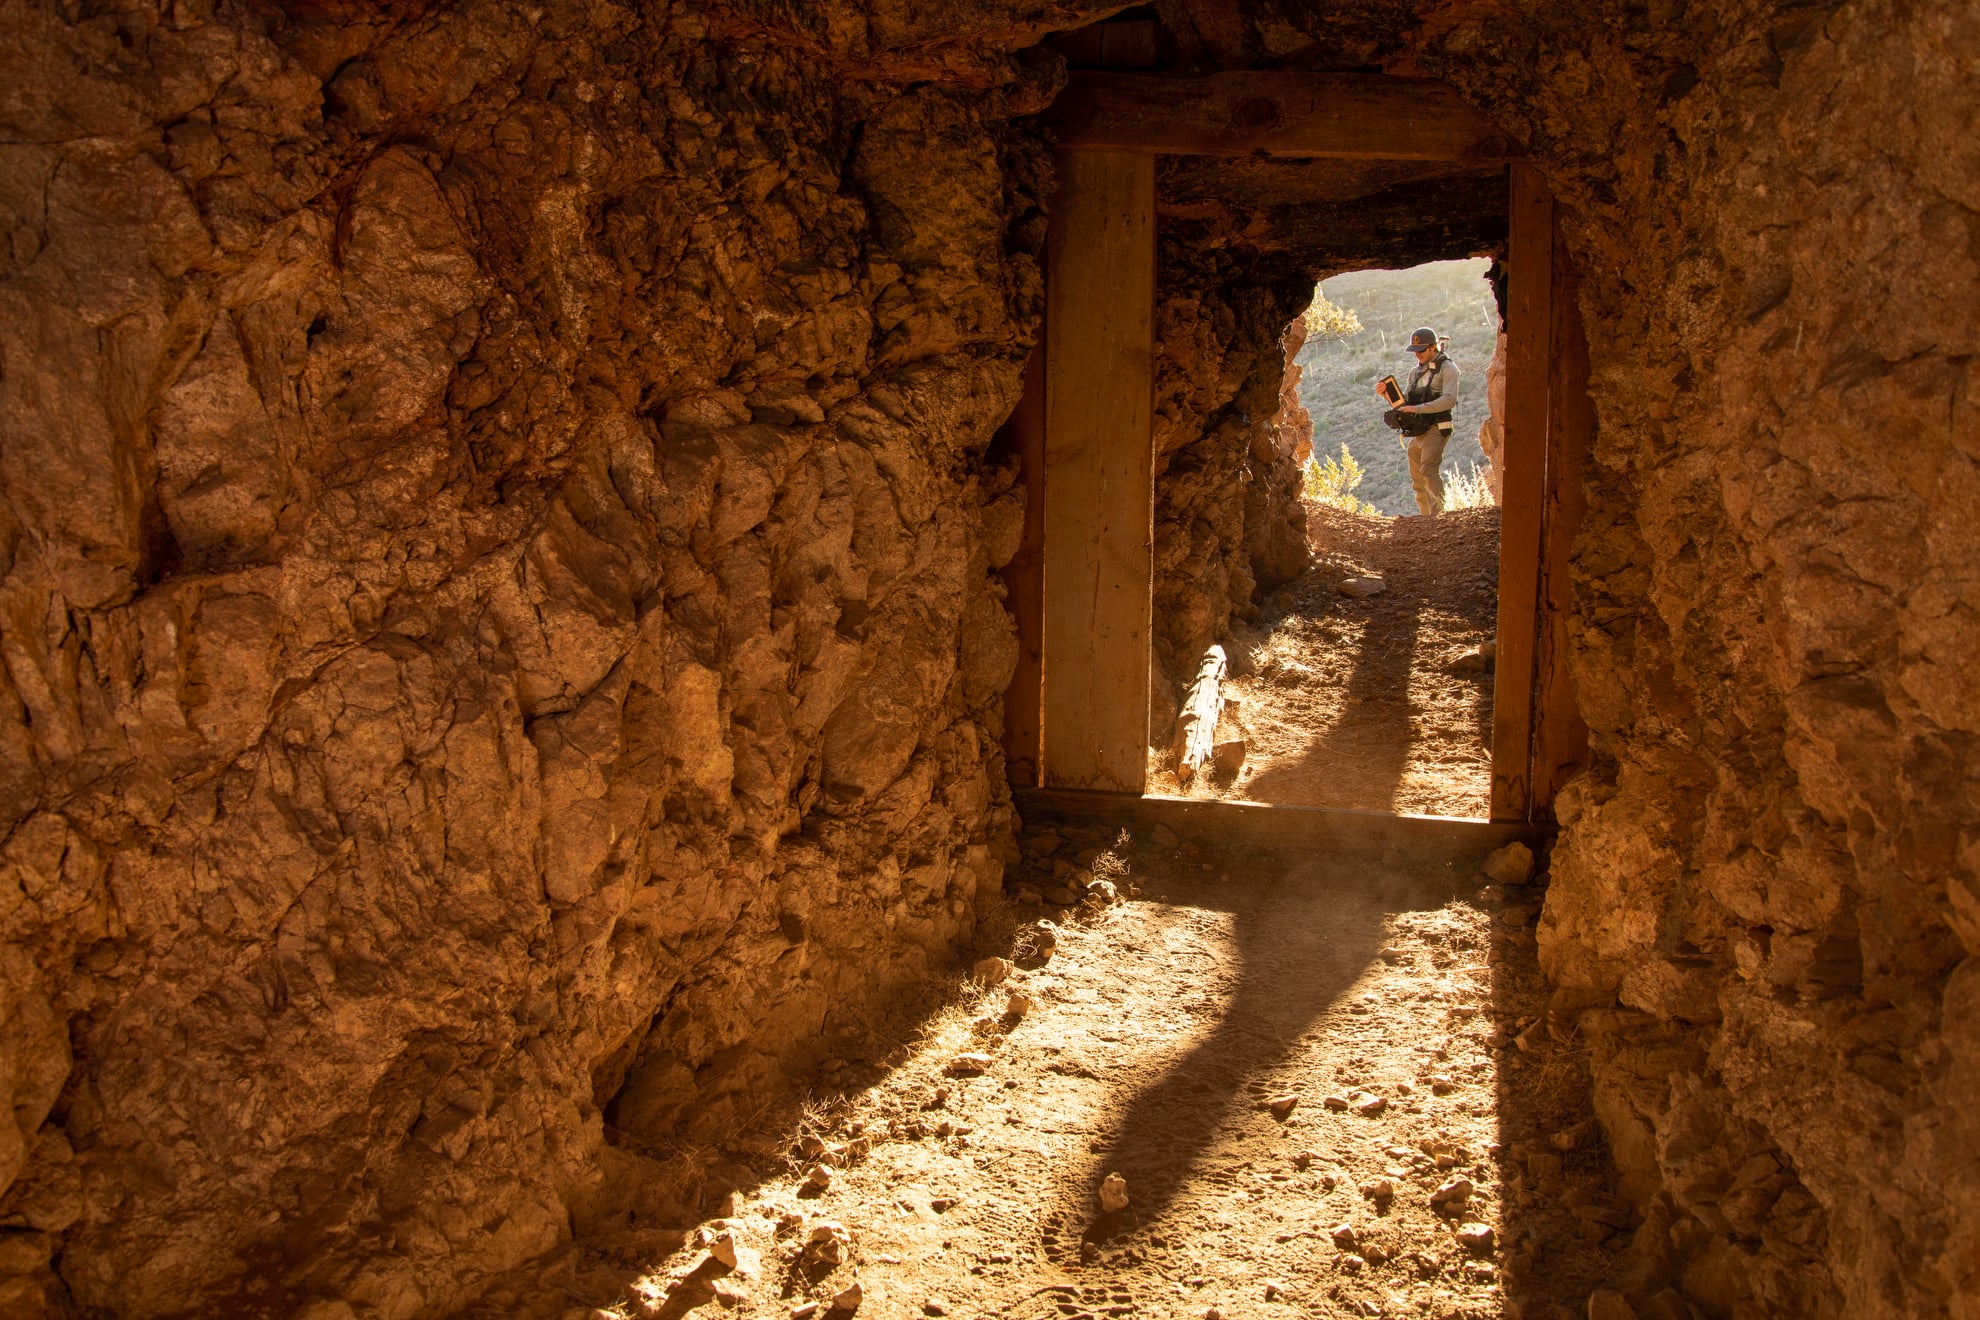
(1363, 116)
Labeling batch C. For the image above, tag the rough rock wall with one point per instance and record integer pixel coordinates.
(1764, 901)
(1227, 515)
(1492, 431)
(495, 601)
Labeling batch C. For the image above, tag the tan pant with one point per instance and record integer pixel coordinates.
(1426, 469)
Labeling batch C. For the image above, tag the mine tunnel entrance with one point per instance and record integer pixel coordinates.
(1364, 682)
(1078, 731)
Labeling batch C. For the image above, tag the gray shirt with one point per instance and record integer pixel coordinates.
(1441, 375)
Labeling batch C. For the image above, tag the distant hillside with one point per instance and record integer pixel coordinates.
(1338, 385)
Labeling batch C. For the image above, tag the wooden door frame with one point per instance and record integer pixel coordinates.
(1106, 121)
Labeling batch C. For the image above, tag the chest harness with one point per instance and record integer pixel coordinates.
(1426, 383)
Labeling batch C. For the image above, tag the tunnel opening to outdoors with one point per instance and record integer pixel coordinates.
(599, 607)
(1364, 682)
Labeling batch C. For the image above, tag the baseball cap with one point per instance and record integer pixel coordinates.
(1422, 337)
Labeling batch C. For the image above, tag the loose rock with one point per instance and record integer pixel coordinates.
(1113, 1193)
(849, 1297)
(1453, 1195)
(1511, 865)
(1228, 752)
(1607, 1304)
(1042, 844)
(1282, 1105)
(991, 971)
(1476, 1237)
(969, 1065)
(1360, 588)
(828, 1244)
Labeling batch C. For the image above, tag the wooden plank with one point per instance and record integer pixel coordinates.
(1099, 455)
(1361, 116)
(1560, 736)
(1529, 334)
(1023, 436)
(1455, 841)
(1203, 708)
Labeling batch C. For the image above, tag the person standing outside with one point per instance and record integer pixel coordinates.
(1425, 417)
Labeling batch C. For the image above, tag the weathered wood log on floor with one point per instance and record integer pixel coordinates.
(1196, 726)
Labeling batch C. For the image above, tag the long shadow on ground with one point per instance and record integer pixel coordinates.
(1303, 938)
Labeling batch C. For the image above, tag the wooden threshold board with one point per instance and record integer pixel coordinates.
(1262, 825)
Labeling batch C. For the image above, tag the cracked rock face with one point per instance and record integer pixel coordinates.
(1763, 895)
(499, 641)
(500, 632)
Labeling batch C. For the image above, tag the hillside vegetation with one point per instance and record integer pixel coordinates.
(1338, 384)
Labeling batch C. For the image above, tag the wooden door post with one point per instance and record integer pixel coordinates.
(1529, 336)
(1099, 459)
(1560, 737)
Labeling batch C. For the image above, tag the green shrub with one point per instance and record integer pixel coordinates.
(1466, 489)
(1333, 481)
(1325, 321)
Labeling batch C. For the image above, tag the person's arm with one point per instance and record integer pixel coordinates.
(1447, 377)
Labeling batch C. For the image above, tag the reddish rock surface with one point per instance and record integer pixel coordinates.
(501, 652)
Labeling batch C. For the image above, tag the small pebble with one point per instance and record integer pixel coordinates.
(1456, 1194)
(990, 971)
(1113, 1193)
(849, 1297)
(969, 1064)
(1476, 1237)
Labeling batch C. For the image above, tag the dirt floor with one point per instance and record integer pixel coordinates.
(1432, 1156)
(1376, 703)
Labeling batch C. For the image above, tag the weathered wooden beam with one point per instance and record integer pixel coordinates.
(1196, 726)
(1024, 578)
(1099, 458)
(1529, 339)
(1560, 736)
(1348, 115)
(1457, 842)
